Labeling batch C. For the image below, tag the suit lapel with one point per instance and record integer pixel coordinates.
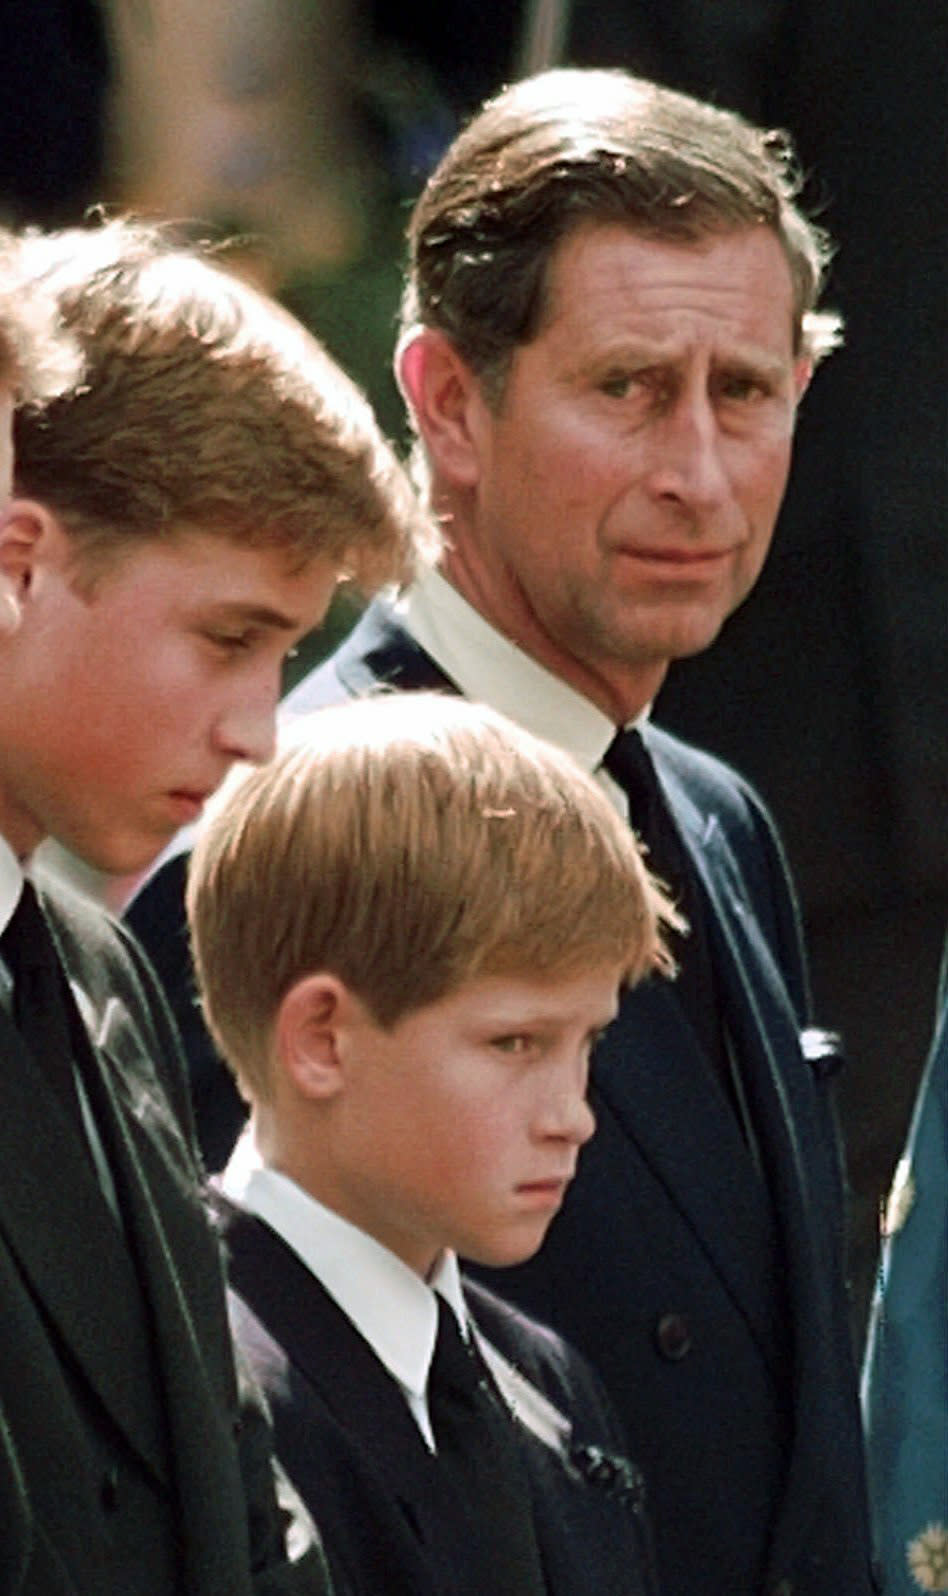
(319, 1339)
(180, 1280)
(760, 1019)
(766, 1035)
(72, 1253)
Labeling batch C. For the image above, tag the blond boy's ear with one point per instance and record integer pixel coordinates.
(307, 1033)
(444, 398)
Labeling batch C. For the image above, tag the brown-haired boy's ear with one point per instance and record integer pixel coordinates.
(443, 395)
(306, 1034)
(29, 533)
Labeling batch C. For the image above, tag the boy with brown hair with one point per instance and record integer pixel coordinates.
(183, 515)
(409, 929)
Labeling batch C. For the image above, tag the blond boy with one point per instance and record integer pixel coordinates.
(409, 931)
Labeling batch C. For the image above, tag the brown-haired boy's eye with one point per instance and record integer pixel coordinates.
(515, 1043)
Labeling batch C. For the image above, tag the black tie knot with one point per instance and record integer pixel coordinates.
(42, 1003)
(629, 763)
(28, 949)
(455, 1370)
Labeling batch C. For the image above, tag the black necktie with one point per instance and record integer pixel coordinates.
(630, 764)
(478, 1456)
(41, 999)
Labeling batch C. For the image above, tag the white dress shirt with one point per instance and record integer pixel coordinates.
(391, 1306)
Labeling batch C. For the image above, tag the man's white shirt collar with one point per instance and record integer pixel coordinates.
(490, 669)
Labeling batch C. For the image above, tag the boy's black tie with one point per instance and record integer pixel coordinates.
(41, 1000)
(478, 1455)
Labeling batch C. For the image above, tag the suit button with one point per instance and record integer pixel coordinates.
(108, 1490)
(673, 1337)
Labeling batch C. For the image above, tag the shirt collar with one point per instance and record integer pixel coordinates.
(488, 667)
(11, 883)
(392, 1308)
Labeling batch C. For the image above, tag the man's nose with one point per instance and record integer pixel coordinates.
(688, 463)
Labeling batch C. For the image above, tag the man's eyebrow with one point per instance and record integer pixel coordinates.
(753, 358)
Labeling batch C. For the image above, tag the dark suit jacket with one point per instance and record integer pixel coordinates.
(350, 1445)
(131, 1462)
(706, 1287)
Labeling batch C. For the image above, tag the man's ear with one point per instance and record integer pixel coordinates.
(442, 394)
(307, 1032)
(802, 373)
(29, 534)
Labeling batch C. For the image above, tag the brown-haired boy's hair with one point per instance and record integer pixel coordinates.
(578, 145)
(204, 406)
(408, 843)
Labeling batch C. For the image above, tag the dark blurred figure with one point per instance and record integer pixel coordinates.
(54, 80)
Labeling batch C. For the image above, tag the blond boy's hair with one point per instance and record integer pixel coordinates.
(205, 406)
(409, 843)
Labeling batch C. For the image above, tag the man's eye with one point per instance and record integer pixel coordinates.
(741, 388)
(619, 384)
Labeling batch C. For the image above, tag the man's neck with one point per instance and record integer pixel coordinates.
(621, 692)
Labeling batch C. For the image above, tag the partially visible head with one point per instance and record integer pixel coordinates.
(183, 516)
(38, 357)
(408, 844)
(577, 146)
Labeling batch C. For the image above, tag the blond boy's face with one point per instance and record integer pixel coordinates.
(462, 1125)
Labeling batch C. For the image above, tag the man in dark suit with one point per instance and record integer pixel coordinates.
(155, 566)
(610, 318)
(413, 1038)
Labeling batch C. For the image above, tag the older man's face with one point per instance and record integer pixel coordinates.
(627, 487)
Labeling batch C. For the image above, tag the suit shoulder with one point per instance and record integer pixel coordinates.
(704, 774)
